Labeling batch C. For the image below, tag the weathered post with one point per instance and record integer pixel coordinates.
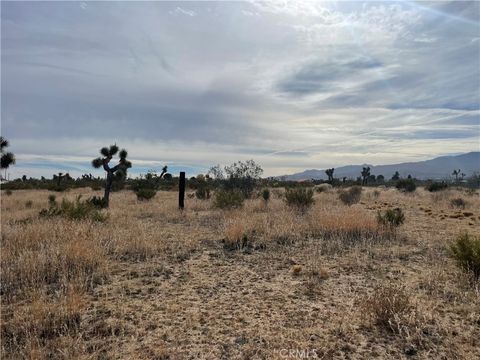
(181, 190)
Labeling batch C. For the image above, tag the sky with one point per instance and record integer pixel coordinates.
(293, 85)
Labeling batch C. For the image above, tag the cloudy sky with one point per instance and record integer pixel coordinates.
(292, 85)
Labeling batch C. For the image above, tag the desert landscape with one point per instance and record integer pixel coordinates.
(240, 180)
(264, 281)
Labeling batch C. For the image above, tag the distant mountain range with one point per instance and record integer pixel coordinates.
(438, 168)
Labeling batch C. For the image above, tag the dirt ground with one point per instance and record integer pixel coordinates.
(153, 282)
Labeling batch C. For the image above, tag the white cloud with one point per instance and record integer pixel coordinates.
(291, 84)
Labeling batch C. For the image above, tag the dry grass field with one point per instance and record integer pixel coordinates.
(261, 282)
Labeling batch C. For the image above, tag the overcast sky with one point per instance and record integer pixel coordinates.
(292, 85)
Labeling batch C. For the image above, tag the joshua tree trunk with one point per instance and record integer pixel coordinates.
(108, 183)
(108, 186)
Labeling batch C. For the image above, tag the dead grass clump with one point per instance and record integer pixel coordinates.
(351, 196)
(457, 203)
(348, 227)
(388, 306)
(238, 236)
(30, 328)
(41, 254)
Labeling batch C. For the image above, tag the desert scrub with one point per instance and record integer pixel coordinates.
(436, 186)
(458, 203)
(8, 192)
(392, 218)
(300, 198)
(73, 210)
(98, 202)
(266, 195)
(42, 255)
(351, 196)
(28, 204)
(388, 306)
(406, 185)
(466, 252)
(238, 236)
(228, 199)
(202, 193)
(145, 194)
(39, 324)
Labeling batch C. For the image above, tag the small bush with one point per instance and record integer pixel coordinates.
(8, 192)
(388, 306)
(96, 187)
(28, 204)
(301, 198)
(457, 203)
(436, 186)
(466, 251)
(98, 202)
(202, 193)
(351, 196)
(407, 185)
(392, 218)
(145, 194)
(225, 199)
(323, 188)
(74, 210)
(266, 195)
(237, 237)
(52, 200)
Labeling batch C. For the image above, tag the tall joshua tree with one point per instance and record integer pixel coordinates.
(329, 173)
(365, 174)
(7, 157)
(456, 173)
(118, 172)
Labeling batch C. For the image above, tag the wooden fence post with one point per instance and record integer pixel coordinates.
(181, 190)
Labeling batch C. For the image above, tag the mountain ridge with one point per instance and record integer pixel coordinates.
(437, 168)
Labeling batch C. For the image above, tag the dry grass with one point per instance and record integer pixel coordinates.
(154, 282)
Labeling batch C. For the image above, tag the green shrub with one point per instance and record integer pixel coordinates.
(266, 195)
(458, 203)
(351, 196)
(299, 197)
(8, 192)
(466, 251)
(28, 204)
(392, 218)
(407, 185)
(98, 201)
(436, 186)
(228, 199)
(73, 210)
(52, 200)
(202, 193)
(145, 194)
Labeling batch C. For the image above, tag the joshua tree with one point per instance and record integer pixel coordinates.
(7, 157)
(119, 171)
(58, 177)
(365, 174)
(396, 176)
(456, 173)
(329, 173)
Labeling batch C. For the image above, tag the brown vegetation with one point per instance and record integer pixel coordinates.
(153, 282)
